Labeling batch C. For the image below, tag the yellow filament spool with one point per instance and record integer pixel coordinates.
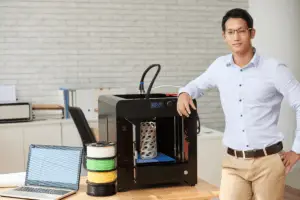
(102, 177)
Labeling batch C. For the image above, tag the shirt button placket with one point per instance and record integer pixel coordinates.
(241, 101)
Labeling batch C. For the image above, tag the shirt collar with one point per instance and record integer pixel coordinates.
(254, 61)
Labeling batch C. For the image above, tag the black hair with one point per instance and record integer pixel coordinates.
(237, 13)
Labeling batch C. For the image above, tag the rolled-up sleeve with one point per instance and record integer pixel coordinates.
(289, 87)
(197, 86)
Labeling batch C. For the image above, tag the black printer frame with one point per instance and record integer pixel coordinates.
(176, 137)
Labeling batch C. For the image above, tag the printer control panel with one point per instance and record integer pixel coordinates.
(163, 104)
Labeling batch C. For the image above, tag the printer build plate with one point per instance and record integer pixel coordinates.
(159, 158)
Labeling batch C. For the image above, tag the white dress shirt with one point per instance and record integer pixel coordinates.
(251, 99)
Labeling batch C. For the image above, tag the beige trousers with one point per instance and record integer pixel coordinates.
(252, 178)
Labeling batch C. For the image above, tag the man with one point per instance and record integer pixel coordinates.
(251, 88)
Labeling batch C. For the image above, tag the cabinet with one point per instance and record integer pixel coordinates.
(210, 151)
(11, 150)
(15, 140)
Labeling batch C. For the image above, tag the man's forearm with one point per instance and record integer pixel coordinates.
(190, 89)
(196, 87)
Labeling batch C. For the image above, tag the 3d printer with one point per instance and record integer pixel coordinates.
(154, 144)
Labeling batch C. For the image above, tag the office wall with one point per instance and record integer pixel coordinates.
(45, 45)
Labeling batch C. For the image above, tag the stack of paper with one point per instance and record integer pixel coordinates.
(12, 179)
(8, 93)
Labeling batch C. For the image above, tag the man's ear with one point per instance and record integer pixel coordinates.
(253, 32)
(223, 35)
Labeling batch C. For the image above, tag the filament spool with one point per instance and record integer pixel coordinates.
(148, 145)
(101, 190)
(102, 177)
(101, 150)
(101, 167)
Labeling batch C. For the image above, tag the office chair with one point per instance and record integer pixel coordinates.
(85, 132)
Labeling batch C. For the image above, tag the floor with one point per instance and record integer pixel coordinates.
(291, 193)
(293, 179)
(293, 184)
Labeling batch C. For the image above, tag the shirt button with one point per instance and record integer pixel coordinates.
(241, 70)
(247, 145)
(240, 100)
(241, 115)
(243, 130)
(240, 85)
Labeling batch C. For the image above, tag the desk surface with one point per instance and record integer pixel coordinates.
(202, 191)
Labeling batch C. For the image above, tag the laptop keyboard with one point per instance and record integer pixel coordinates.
(42, 190)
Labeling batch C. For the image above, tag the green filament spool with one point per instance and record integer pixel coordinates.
(100, 164)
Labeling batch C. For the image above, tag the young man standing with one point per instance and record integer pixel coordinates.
(251, 88)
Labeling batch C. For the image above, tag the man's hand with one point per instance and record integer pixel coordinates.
(183, 104)
(289, 160)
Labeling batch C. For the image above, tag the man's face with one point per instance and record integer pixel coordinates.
(238, 35)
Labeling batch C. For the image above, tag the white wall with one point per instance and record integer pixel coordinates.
(45, 45)
(278, 30)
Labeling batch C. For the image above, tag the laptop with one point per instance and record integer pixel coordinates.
(53, 172)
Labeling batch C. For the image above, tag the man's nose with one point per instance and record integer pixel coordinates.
(236, 36)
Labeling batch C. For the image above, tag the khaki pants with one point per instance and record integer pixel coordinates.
(252, 178)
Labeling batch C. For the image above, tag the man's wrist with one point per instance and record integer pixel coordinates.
(183, 93)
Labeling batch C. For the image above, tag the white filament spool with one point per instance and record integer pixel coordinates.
(101, 150)
(148, 145)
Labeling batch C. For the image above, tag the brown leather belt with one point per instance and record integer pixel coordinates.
(275, 148)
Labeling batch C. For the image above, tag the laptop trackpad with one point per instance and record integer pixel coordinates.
(28, 195)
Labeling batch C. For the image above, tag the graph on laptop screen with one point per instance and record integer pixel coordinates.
(54, 167)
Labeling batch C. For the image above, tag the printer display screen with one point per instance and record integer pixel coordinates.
(157, 105)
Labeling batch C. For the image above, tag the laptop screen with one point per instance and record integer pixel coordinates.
(54, 166)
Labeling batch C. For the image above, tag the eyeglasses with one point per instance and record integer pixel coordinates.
(241, 31)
